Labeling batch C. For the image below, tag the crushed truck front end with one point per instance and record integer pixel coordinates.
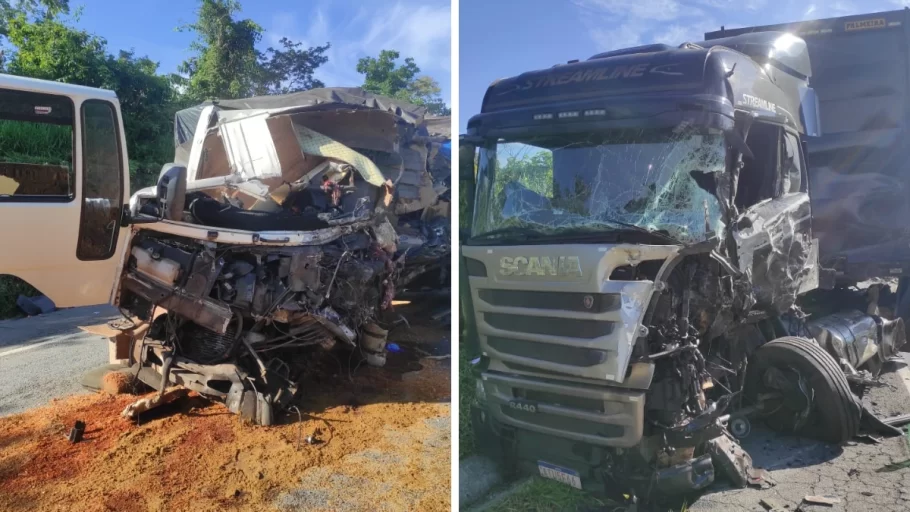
(641, 223)
(281, 235)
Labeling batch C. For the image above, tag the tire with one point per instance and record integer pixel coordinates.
(835, 413)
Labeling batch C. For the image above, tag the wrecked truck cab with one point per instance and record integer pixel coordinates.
(285, 226)
(302, 217)
(640, 244)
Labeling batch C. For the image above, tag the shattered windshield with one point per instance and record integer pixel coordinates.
(615, 181)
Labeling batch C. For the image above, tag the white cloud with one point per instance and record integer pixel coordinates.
(643, 9)
(614, 24)
(624, 36)
(414, 28)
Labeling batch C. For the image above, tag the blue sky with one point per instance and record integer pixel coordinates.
(498, 41)
(416, 28)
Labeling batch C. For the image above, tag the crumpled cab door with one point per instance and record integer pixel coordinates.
(63, 183)
(773, 236)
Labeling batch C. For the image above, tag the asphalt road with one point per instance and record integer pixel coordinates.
(44, 357)
(864, 475)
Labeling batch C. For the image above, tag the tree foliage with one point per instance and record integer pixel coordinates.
(291, 69)
(227, 63)
(534, 171)
(32, 9)
(382, 75)
(49, 49)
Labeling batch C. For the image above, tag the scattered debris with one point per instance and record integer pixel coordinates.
(397, 448)
(731, 460)
(821, 500)
(157, 400)
(771, 505)
(77, 432)
(897, 421)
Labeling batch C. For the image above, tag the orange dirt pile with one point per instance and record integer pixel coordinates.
(116, 383)
(383, 444)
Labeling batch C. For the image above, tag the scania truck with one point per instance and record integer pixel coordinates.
(665, 246)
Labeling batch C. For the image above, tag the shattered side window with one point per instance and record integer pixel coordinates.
(648, 179)
(792, 169)
(36, 147)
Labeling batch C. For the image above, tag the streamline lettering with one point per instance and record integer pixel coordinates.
(588, 75)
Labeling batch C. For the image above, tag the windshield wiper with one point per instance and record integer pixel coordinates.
(522, 232)
(639, 229)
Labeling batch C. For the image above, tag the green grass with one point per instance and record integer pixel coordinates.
(36, 143)
(465, 399)
(543, 495)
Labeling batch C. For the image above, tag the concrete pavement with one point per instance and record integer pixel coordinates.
(44, 357)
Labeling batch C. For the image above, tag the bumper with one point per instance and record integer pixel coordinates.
(519, 451)
(595, 415)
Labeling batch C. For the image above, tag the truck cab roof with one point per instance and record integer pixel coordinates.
(764, 72)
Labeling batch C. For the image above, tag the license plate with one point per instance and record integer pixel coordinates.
(563, 475)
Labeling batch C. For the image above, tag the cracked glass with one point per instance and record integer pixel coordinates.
(614, 181)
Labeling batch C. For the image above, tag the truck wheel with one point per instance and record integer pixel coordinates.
(815, 398)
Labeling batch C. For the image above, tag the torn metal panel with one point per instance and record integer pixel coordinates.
(250, 148)
(773, 246)
(314, 143)
(364, 130)
(439, 126)
(329, 98)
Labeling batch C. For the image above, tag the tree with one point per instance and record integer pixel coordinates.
(148, 102)
(31, 9)
(291, 69)
(228, 65)
(51, 50)
(383, 76)
(48, 48)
